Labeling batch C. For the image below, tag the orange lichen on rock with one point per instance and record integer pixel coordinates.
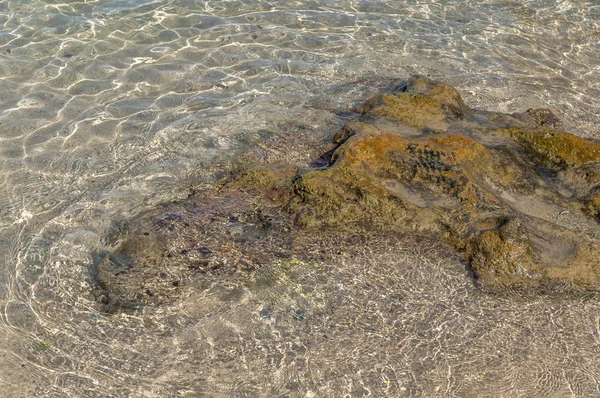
(556, 148)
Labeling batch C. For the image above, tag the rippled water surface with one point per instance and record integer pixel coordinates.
(110, 107)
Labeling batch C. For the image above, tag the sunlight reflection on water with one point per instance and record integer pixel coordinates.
(110, 107)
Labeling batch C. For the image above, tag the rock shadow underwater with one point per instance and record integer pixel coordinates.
(514, 196)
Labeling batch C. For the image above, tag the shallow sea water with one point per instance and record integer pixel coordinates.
(108, 108)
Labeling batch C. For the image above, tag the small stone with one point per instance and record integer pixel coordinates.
(267, 312)
(298, 315)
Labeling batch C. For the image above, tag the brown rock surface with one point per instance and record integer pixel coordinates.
(180, 249)
(518, 199)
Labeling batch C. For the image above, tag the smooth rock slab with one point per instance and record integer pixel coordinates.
(518, 199)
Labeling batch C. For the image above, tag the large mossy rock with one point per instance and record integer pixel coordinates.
(517, 198)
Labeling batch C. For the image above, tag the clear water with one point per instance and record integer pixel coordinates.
(110, 107)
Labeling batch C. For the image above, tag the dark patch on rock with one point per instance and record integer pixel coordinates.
(518, 199)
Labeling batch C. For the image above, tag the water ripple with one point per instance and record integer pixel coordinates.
(108, 108)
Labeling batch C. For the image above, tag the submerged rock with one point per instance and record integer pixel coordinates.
(518, 199)
(183, 248)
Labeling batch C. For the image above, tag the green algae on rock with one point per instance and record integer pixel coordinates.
(518, 199)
